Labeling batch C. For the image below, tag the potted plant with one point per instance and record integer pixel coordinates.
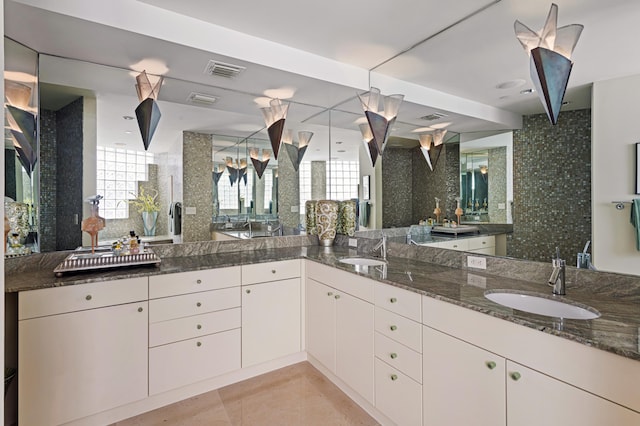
(148, 206)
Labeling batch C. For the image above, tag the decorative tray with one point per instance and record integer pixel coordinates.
(84, 260)
(460, 229)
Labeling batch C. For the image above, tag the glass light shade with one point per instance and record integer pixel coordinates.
(370, 99)
(304, 137)
(425, 141)
(367, 136)
(287, 136)
(145, 88)
(392, 106)
(438, 136)
(277, 110)
(17, 94)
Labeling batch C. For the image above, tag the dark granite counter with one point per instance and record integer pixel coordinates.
(615, 331)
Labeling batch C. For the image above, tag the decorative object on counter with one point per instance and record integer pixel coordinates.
(104, 257)
(380, 122)
(310, 217)
(259, 163)
(296, 153)
(93, 224)
(147, 112)
(369, 143)
(274, 117)
(347, 218)
(437, 211)
(148, 206)
(459, 212)
(550, 63)
(18, 216)
(326, 221)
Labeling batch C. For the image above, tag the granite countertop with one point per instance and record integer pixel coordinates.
(616, 330)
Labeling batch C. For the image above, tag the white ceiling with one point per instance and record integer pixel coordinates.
(470, 48)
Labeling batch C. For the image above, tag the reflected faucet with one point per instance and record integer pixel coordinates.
(557, 278)
(248, 223)
(382, 246)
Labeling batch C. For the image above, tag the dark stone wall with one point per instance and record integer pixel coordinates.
(48, 180)
(551, 186)
(397, 197)
(69, 137)
(10, 173)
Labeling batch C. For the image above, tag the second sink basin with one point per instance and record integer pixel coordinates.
(362, 261)
(542, 306)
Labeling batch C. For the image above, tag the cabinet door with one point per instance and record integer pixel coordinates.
(321, 323)
(77, 364)
(355, 343)
(462, 384)
(536, 399)
(270, 321)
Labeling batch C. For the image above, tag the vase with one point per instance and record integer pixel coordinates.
(149, 220)
(326, 221)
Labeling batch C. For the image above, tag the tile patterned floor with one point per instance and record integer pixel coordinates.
(292, 396)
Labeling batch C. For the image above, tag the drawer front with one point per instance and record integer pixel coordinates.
(58, 300)
(400, 301)
(398, 396)
(193, 304)
(193, 281)
(399, 356)
(399, 328)
(271, 271)
(482, 242)
(456, 244)
(355, 285)
(161, 333)
(190, 361)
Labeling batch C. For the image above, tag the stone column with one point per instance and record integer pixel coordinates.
(318, 180)
(288, 193)
(197, 151)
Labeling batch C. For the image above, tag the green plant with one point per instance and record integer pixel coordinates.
(145, 202)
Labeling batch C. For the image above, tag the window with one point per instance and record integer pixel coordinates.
(305, 184)
(118, 172)
(343, 178)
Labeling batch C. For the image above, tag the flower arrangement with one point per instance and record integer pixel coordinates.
(145, 202)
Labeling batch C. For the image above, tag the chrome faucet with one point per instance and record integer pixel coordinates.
(248, 223)
(557, 278)
(382, 246)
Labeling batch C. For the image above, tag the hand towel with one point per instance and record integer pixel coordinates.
(635, 220)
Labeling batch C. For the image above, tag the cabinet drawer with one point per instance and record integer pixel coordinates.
(57, 300)
(193, 281)
(189, 361)
(399, 328)
(161, 333)
(400, 301)
(271, 271)
(398, 396)
(399, 356)
(461, 244)
(193, 304)
(482, 242)
(346, 282)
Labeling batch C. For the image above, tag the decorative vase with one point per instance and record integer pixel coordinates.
(149, 220)
(326, 221)
(347, 218)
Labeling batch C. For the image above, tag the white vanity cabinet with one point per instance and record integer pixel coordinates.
(340, 325)
(194, 327)
(82, 350)
(485, 244)
(271, 311)
(514, 375)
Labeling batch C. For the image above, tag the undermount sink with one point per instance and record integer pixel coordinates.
(542, 305)
(362, 261)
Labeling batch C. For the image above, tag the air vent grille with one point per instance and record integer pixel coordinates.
(201, 99)
(220, 69)
(433, 117)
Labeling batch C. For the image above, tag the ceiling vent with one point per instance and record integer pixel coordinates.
(433, 117)
(220, 69)
(201, 99)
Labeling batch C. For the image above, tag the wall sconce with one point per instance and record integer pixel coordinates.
(232, 169)
(242, 170)
(147, 112)
(260, 165)
(550, 63)
(296, 153)
(274, 117)
(437, 138)
(22, 123)
(380, 121)
(483, 172)
(369, 144)
(217, 173)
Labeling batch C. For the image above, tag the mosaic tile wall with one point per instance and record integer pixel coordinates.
(497, 184)
(318, 180)
(197, 151)
(48, 180)
(10, 173)
(552, 187)
(288, 193)
(397, 191)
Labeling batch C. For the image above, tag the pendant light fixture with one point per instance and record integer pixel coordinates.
(369, 143)
(296, 152)
(380, 122)
(274, 117)
(426, 140)
(147, 112)
(259, 163)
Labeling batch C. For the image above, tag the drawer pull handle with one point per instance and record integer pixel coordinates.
(140, 309)
(394, 355)
(393, 328)
(199, 344)
(198, 326)
(394, 377)
(490, 365)
(515, 376)
(273, 271)
(198, 304)
(330, 293)
(337, 296)
(484, 242)
(88, 297)
(199, 282)
(248, 291)
(393, 300)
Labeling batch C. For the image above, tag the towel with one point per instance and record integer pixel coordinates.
(635, 220)
(175, 214)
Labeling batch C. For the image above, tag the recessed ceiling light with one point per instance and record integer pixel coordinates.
(342, 150)
(127, 117)
(527, 91)
(511, 84)
(128, 132)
